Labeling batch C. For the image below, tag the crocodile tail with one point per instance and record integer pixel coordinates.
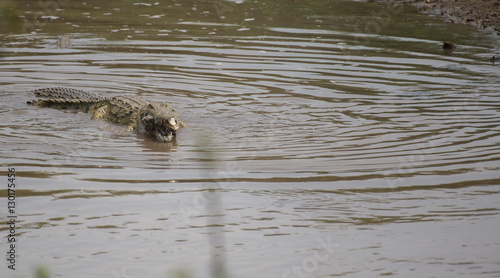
(66, 94)
(79, 104)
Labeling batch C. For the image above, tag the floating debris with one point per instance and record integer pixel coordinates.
(64, 41)
(494, 59)
(448, 47)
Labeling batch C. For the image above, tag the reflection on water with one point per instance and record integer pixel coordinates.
(347, 143)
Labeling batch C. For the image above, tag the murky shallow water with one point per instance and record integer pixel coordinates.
(325, 139)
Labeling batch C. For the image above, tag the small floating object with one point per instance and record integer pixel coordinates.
(494, 59)
(64, 41)
(448, 47)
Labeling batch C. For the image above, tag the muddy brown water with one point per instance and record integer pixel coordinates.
(325, 139)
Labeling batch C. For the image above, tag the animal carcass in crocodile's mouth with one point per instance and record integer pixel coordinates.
(163, 130)
(164, 135)
(173, 124)
(167, 130)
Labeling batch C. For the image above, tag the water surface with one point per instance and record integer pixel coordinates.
(325, 139)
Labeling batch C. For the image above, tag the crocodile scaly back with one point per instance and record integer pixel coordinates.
(66, 93)
(67, 98)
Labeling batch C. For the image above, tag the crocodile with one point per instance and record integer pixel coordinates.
(147, 117)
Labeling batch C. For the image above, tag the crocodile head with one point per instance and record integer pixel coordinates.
(160, 120)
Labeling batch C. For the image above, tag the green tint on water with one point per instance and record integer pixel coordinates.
(343, 141)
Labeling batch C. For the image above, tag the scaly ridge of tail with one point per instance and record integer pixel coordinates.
(66, 98)
(66, 93)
